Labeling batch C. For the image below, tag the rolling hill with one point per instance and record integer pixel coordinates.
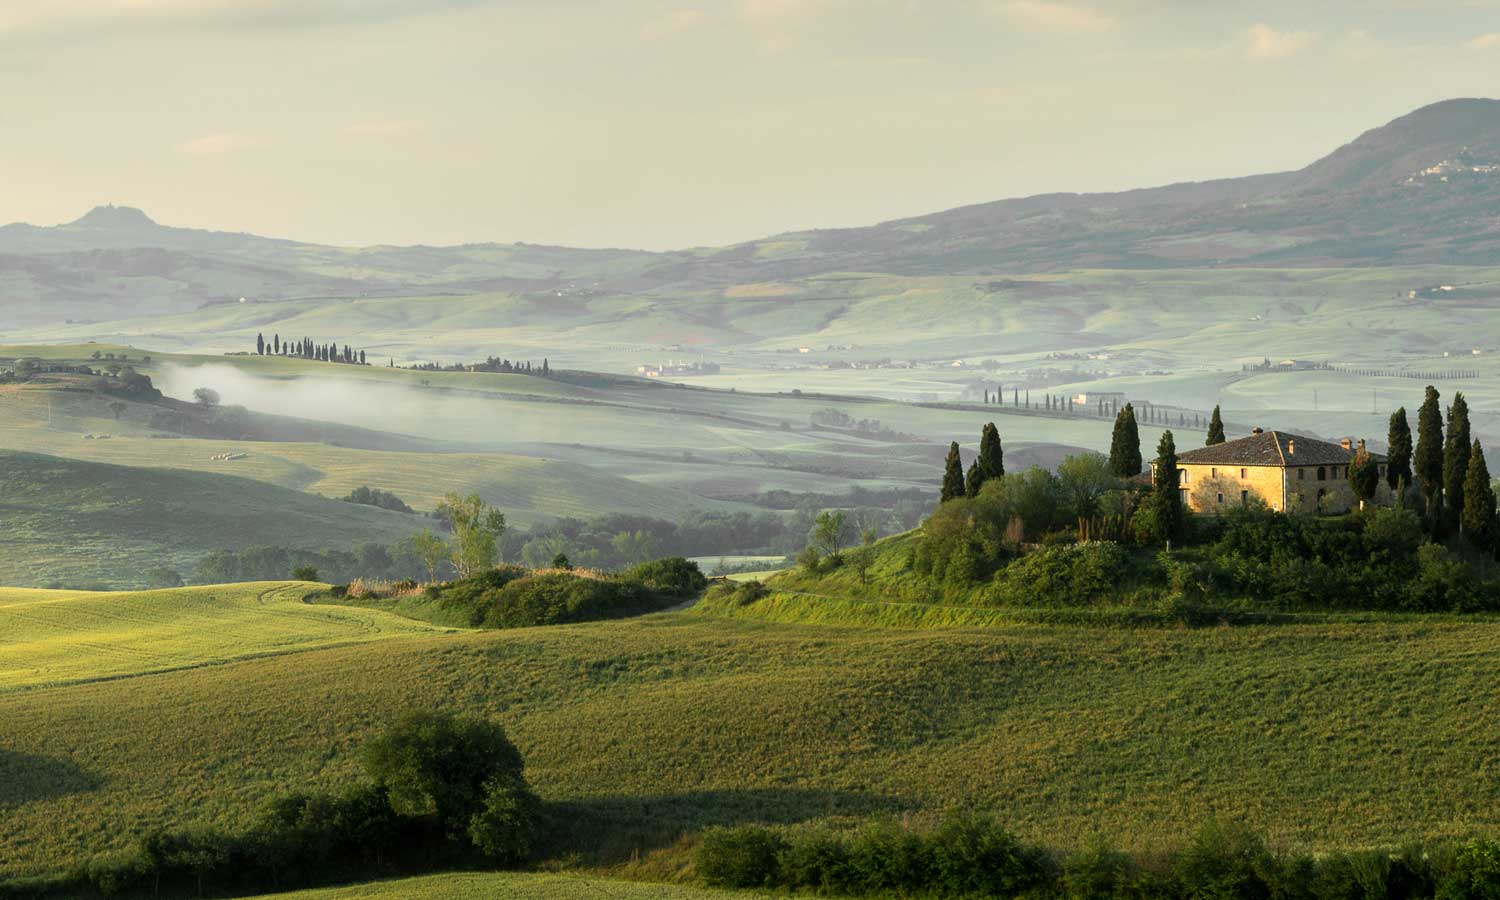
(74, 522)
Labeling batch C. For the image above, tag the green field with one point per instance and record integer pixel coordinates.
(513, 886)
(1337, 734)
(51, 638)
(80, 523)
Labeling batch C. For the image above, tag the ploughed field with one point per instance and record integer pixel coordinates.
(639, 731)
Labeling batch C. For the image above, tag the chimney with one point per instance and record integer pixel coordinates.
(1291, 447)
(1361, 444)
(1346, 444)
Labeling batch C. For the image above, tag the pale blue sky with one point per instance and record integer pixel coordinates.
(668, 124)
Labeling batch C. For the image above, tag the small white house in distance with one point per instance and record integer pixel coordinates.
(1097, 397)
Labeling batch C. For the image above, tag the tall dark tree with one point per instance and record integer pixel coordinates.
(1125, 445)
(953, 475)
(1427, 461)
(1478, 519)
(1456, 448)
(1215, 429)
(1166, 498)
(991, 455)
(974, 480)
(1398, 458)
(1364, 475)
(276, 344)
(260, 345)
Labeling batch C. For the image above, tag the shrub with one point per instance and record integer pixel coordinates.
(1474, 873)
(743, 857)
(504, 829)
(674, 576)
(974, 855)
(1226, 861)
(305, 573)
(1096, 874)
(818, 862)
(886, 857)
(1072, 574)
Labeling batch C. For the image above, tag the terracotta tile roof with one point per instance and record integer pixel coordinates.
(1272, 448)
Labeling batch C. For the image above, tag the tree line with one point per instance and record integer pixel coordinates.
(306, 348)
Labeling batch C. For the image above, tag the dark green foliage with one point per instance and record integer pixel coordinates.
(953, 475)
(744, 857)
(1456, 448)
(1478, 517)
(1067, 575)
(1125, 445)
(1227, 862)
(991, 454)
(1167, 517)
(1215, 429)
(368, 496)
(673, 576)
(974, 480)
(305, 573)
(561, 561)
(1427, 461)
(971, 855)
(1474, 873)
(1398, 452)
(1364, 475)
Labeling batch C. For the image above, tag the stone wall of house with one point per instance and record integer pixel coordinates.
(1205, 485)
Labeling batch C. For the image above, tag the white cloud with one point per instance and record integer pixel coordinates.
(1489, 41)
(671, 23)
(1264, 42)
(1054, 16)
(215, 144)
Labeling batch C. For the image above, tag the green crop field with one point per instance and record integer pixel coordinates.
(513, 886)
(50, 638)
(1334, 734)
(79, 523)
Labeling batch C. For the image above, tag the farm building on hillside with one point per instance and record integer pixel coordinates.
(1286, 471)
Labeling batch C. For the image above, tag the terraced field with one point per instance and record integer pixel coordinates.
(51, 638)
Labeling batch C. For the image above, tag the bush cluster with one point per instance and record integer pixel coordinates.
(972, 856)
(512, 597)
(443, 790)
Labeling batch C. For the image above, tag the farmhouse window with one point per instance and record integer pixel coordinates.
(1242, 474)
(1322, 474)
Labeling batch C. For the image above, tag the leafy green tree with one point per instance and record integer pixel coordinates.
(118, 409)
(206, 396)
(462, 773)
(1125, 445)
(430, 549)
(634, 546)
(953, 475)
(1456, 448)
(1398, 458)
(1364, 475)
(830, 531)
(1478, 519)
(1085, 479)
(1166, 500)
(974, 480)
(1428, 458)
(991, 454)
(477, 528)
(305, 573)
(1215, 429)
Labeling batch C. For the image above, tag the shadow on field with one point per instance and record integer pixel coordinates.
(615, 828)
(25, 777)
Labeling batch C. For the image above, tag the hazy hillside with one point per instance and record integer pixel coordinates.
(1420, 190)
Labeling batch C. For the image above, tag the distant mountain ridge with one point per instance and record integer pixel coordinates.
(1422, 189)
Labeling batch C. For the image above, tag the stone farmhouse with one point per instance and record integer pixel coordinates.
(1288, 472)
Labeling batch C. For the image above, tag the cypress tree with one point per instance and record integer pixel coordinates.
(276, 344)
(1456, 458)
(953, 475)
(974, 480)
(1166, 500)
(1427, 462)
(1478, 519)
(1364, 475)
(260, 345)
(1398, 459)
(1125, 445)
(991, 455)
(1215, 429)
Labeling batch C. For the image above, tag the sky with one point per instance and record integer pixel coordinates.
(660, 124)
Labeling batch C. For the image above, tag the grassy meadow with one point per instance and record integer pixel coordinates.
(514, 886)
(1335, 734)
(51, 638)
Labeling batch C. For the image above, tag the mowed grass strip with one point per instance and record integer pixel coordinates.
(513, 886)
(63, 637)
(1322, 736)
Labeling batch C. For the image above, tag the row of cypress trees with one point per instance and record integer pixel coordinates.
(1449, 467)
(306, 349)
(990, 464)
